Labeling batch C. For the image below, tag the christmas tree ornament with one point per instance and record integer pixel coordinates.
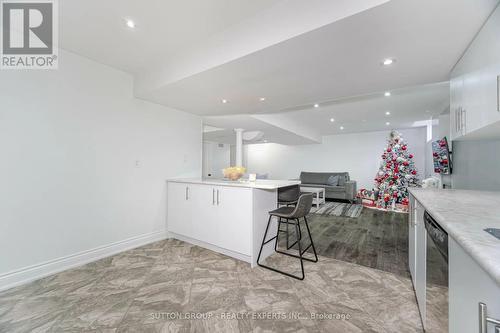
(397, 172)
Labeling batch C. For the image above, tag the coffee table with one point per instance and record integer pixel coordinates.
(318, 194)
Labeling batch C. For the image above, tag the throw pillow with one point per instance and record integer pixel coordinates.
(333, 181)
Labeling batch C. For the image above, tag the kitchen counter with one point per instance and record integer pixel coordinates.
(229, 217)
(263, 184)
(464, 215)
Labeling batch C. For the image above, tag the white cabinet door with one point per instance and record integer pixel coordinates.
(412, 238)
(469, 284)
(473, 84)
(179, 210)
(421, 249)
(204, 212)
(234, 219)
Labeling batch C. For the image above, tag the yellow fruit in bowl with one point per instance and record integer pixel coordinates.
(234, 173)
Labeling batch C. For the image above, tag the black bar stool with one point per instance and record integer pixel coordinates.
(288, 196)
(294, 214)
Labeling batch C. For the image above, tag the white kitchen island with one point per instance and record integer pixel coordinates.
(228, 217)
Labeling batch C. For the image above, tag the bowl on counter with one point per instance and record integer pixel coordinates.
(233, 173)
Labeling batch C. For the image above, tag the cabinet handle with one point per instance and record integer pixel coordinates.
(484, 319)
(213, 197)
(187, 195)
(217, 197)
(464, 120)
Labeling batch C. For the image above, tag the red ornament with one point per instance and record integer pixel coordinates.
(414, 172)
(386, 199)
(396, 177)
(395, 194)
(389, 149)
(404, 147)
(405, 163)
(410, 156)
(445, 162)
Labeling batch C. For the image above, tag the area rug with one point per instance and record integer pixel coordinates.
(338, 209)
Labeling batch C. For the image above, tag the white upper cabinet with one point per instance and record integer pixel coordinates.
(474, 83)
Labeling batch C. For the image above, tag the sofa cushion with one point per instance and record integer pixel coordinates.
(322, 177)
(333, 180)
(314, 178)
(335, 189)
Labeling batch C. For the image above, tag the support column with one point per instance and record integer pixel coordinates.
(239, 146)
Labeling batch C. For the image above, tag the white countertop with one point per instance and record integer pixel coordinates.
(464, 215)
(263, 184)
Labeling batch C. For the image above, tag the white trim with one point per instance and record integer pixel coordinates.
(215, 248)
(34, 272)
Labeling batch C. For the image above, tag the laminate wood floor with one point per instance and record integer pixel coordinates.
(375, 239)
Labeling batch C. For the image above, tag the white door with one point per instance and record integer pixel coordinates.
(234, 219)
(179, 210)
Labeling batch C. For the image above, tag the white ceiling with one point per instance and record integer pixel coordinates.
(191, 54)
(272, 133)
(341, 59)
(408, 107)
(97, 30)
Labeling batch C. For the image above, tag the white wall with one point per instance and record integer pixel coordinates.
(216, 156)
(476, 165)
(359, 154)
(70, 140)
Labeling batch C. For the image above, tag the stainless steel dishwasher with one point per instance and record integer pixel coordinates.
(436, 320)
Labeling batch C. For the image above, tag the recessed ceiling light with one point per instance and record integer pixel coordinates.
(130, 24)
(387, 94)
(341, 128)
(387, 123)
(364, 120)
(262, 99)
(427, 111)
(316, 105)
(388, 61)
(265, 141)
(224, 101)
(388, 113)
(332, 120)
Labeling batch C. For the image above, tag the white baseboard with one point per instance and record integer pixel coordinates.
(34, 272)
(211, 247)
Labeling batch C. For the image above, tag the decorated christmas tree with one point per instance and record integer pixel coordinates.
(397, 172)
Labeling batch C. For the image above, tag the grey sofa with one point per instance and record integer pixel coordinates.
(346, 188)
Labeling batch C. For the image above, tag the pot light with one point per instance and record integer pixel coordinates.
(341, 128)
(332, 120)
(387, 113)
(387, 94)
(388, 62)
(265, 141)
(316, 105)
(130, 24)
(262, 99)
(224, 101)
(387, 123)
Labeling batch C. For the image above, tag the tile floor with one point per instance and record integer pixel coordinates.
(155, 287)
